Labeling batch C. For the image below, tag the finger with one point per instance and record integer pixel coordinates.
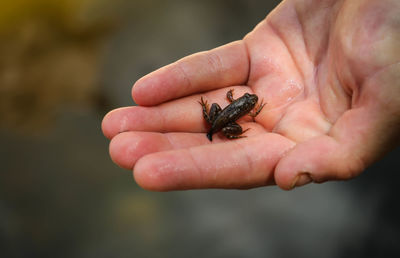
(341, 155)
(359, 138)
(318, 160)
(126, 148)
(181, 115)
(224, 66)
(243, 163)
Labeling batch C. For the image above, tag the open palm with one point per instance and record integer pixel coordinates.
(329, 72)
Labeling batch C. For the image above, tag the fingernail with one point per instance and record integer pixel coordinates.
(301, 179)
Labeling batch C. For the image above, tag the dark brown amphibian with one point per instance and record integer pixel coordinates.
(225, 119)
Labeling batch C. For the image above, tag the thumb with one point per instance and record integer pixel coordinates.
(317, 160)
(359, 137)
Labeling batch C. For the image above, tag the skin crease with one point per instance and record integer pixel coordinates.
(329, 72)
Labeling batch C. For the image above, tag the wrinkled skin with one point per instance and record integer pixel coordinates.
(330, 73)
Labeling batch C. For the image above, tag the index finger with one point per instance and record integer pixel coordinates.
(220, 67)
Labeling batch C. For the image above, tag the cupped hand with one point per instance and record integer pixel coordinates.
(329, 72)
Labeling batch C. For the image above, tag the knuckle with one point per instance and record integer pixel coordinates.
(354, 165)
(214, 61)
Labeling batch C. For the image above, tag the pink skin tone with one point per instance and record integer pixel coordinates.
(329, 72)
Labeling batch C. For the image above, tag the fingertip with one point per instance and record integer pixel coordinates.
(114, 122)
(137, 91)
(106, 125)
(145, 176)
(141, 175)
(153, 88)
(127, 148)
(306, 163)
(121, 152)
(155, 175)
(285, 174)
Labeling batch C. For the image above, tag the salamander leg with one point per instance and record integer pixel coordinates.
(233, 131)
(229, 96)
(206, 108)
(257, 110)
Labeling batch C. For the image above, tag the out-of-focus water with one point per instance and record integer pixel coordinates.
(64, 65)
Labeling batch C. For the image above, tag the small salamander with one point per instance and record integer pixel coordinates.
(225, 119)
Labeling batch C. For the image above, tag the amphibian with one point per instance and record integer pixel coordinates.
(225, 119)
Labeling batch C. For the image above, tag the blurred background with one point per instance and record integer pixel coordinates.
(65, 63)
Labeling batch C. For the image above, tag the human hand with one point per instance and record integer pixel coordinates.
(329, 72)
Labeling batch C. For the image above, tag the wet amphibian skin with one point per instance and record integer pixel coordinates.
(225, 119)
